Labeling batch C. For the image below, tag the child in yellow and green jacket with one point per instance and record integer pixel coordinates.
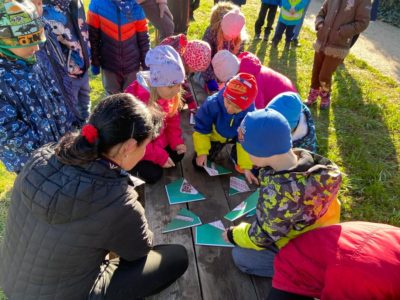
(298, 192)
(217, 121)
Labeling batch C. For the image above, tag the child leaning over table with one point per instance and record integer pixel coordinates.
(298, 192)
(217, 121)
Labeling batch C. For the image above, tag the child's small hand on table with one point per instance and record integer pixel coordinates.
(201, 160)
(169, 163)
(181, 148)
(225, 236)
(250, 177)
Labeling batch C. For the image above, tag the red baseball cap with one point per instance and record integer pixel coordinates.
(241, 90)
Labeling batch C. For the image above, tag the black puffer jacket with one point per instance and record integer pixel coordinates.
(62, 222)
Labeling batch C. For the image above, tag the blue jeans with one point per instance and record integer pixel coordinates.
(81, 92)
(253, 262)
(280, 29)
(297, 29)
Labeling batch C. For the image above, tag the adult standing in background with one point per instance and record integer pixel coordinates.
(33, 109)
(68, 22)
(159, 15)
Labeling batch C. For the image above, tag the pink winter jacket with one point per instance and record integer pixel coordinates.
(269, 82)
(171, 132)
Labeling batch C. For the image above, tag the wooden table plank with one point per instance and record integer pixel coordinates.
(220, 279)
(159, 213)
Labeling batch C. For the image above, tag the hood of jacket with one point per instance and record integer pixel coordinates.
(58, 193)
(249, 63)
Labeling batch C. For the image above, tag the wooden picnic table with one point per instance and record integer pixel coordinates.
(211, 273)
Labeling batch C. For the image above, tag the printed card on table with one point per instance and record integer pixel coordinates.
(237, 185)
(211, 235)
(215, 170)
(184, 219)
(181, 191)
(243, 208)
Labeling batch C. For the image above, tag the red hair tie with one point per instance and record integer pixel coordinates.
(90, 133)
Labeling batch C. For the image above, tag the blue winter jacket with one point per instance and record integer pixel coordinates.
(213, 123)
(32, 111)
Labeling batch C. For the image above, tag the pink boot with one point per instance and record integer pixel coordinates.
(312, 97)
(325, 100)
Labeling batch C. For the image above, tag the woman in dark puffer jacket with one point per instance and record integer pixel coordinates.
(74, 202)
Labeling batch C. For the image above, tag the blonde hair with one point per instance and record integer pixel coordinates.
(174, 105)
(217, 13)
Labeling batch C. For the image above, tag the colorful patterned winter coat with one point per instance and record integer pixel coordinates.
(32, 111)
(68, 22)
(292, 202)
(308, 140)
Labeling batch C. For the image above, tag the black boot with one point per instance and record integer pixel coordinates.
(266, 35)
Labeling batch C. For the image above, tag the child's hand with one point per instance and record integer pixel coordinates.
(169, 164)
(181, 148)
(225, 236)
(292, 11)
(250, 177)
(201, 160)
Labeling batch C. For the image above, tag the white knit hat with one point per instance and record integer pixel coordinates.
(225, 65)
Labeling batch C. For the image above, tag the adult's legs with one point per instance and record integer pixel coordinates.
(81, 93)
(253, 262)
(164, 25)
(112, 82)
(143, 277)
(260, 20)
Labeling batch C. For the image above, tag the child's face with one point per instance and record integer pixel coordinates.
(168, 92)
(231, 107)
(25, 52)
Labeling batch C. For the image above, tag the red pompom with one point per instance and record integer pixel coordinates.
(90, 133)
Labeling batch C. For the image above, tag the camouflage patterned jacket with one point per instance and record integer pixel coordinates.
(292, 202)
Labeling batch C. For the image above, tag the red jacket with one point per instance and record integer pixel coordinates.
(171, 132)
(270, 83)
(354, 260)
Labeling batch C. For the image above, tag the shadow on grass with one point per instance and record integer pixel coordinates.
(367, 151)
(285, 64)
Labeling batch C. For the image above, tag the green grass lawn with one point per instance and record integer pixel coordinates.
(361, 131)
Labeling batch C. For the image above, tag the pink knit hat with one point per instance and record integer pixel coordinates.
(178, 42)
(225, 65)
(197, 55)
(232, 23)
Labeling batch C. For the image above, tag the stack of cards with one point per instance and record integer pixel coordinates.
(181, 191)
(211, 235)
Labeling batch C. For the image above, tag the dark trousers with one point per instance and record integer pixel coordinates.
(282, 295)
(120, 279)
(151, 172)
(323, 68)
(271, 9)
(194, 4)
(280, 29)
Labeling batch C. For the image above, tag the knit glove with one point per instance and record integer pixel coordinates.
(95, 70)
(212, 85)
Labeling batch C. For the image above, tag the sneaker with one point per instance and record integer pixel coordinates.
(325, 100)
(312, 97)
(257, 36)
